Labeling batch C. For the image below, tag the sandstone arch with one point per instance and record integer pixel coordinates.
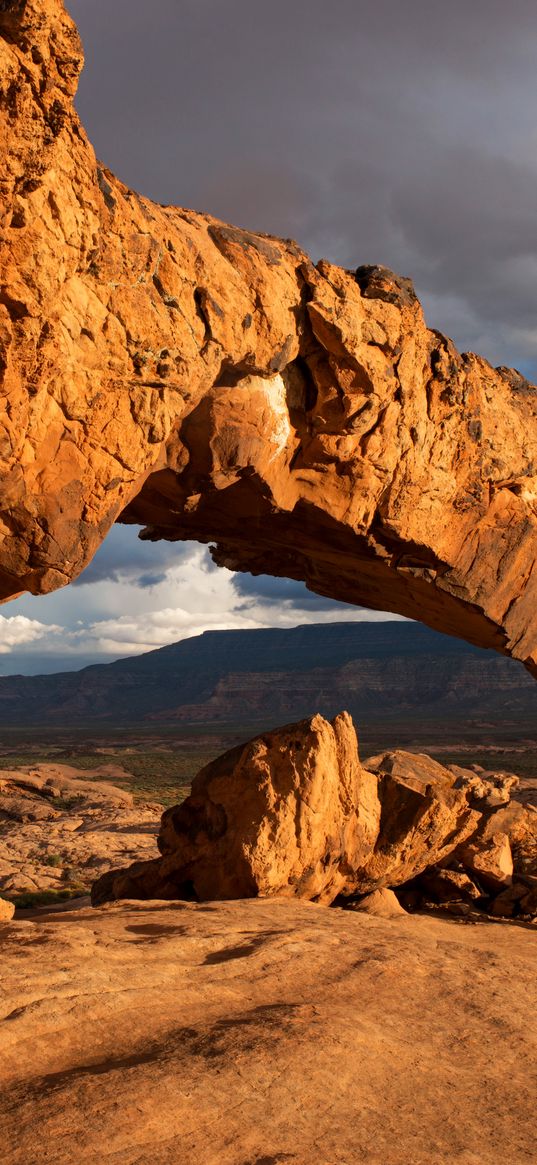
(162, 368)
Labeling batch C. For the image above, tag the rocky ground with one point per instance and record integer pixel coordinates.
(265, 1031)
(270, 1029)
(59, 831)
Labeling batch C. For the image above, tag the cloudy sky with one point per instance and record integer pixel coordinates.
(401, 132)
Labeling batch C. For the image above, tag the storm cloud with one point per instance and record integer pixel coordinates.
(370, 130)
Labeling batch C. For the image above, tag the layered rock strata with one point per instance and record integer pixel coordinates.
(162, 368)
(293, 813)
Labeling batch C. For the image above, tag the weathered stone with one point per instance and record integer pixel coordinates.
(504, 843)
(509, 901)
(519, 822)
(7, 910)
(414, 769)
(294, 813)
(489, 789)
(381, 903)
(163, 368)
(490, 859)
(291, 813)
(265, 1031)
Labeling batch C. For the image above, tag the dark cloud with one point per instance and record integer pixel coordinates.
(123, 557)
(374, 131)
(265, 589)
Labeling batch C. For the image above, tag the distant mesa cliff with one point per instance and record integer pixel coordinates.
(162, 368)
(381, 671)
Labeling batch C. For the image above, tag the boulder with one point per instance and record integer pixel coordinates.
(517, 899)
(7, 910)
(489, 789)
(504, 844)
(447, 885)
(381, 903)
(490, 859)
(291, 813)
(294, 813)
(423, 819)
(519, 822)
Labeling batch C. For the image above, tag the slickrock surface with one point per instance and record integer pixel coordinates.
(59, 832)
(164, 368)
(293, 812)
(265, 1032)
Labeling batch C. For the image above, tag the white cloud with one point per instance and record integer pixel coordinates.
(114, 617)
(15, 630)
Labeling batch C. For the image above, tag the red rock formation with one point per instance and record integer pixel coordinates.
(294, 813)
(162, 368)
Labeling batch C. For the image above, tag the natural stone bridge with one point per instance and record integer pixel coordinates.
(162, 368)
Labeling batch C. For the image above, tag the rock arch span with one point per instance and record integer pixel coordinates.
(162, 368)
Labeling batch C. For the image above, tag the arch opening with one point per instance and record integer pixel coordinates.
(166, 369)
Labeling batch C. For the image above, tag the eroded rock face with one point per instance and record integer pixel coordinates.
(162, 368)
(293, 813)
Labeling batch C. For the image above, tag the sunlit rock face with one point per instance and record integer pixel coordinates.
(294, 813)
(162, 368)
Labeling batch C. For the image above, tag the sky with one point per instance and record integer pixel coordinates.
(372, 131)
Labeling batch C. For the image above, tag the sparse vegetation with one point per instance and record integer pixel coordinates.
(65, 802)
(32, 898)
(159, 765)
(153, 769)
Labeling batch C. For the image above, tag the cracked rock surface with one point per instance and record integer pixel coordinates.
(163, 368)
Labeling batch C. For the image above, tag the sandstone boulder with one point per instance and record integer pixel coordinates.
(519, 899)
(423, 819)
(381, 903)
(490, 859)
(489, 789)
(449, 885)
(7, 910)
(291, 812)
(294, 813)
(504, 844)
